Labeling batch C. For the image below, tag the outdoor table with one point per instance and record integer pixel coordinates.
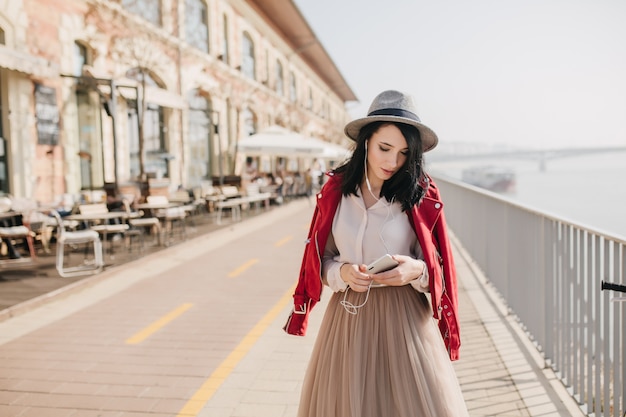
(156, 206)
(98, 217)
(165, 212)
(97, 221)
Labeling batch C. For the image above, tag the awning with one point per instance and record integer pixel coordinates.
(154, 95)
(14, 60)
(278, 141)
(165, 98)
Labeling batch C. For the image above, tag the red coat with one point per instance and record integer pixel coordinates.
(428, 222)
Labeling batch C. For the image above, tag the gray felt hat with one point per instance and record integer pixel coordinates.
(393, 106)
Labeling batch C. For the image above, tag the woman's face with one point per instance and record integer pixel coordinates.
(386, 153)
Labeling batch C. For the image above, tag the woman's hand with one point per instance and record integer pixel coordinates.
(408, 269)
(355, 277)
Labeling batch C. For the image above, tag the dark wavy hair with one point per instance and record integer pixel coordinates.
(407, 186)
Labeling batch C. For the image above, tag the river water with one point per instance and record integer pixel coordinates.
(588, 190)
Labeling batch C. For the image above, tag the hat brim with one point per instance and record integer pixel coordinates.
(428, 136)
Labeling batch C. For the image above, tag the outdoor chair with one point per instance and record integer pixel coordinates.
(71, 239)
(103, 227)
(12, 233)
(255, 197)
(230, 199)
(137, 221)
(173, 216)
(187, 203)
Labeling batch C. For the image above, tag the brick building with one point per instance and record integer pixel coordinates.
(95, 92)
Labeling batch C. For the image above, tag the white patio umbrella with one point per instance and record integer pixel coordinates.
(278, 141)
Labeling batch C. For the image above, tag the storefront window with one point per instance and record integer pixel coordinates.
(155, 153)
(199, 140)
(90, 143)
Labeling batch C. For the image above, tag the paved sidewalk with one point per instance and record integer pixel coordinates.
(500, 372)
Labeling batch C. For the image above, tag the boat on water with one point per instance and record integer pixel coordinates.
(492, 178)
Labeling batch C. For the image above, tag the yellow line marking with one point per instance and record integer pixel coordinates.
(283, 241)
(242, 268)
(147, 332)
(211, 385)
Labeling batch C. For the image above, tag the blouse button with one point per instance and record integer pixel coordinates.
(437, 205)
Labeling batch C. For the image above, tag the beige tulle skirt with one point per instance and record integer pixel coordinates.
(388, 360)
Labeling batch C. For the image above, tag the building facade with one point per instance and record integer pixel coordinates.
(96, 92)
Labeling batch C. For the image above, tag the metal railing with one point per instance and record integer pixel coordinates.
(561, 280)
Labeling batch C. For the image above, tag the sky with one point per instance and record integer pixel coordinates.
(536, 74)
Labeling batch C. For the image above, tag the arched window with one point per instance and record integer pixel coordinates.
(147, 9)
(293, 92)
(199, 139)
(249, 121)
(154, 132)
(247, 56)
(196, 24)
(279, 78)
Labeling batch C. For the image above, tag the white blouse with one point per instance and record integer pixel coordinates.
(361, 235)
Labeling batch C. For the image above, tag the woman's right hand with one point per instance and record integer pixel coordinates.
(355, 277)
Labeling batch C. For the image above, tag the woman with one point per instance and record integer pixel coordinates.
(378, 352)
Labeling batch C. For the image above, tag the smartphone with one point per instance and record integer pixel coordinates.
(384, 263)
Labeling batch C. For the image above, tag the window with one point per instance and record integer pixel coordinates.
(154, 139)
(324, 109)
(266, 81)
(147, 9)
(249, 121)
(247, 58)
(309, 104)
(154, 133)
(133, 139)
(279, 78)
(2, 40)
(199, 139)
(47, 115)
(293, 92)
(90, 142)
(225, 50)
(80, 58)
(196, 24)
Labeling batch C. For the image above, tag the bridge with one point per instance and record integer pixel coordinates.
(469, 151)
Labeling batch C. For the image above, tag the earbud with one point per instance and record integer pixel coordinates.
(367, 180)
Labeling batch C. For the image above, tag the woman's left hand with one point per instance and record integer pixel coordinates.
(407, 270)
